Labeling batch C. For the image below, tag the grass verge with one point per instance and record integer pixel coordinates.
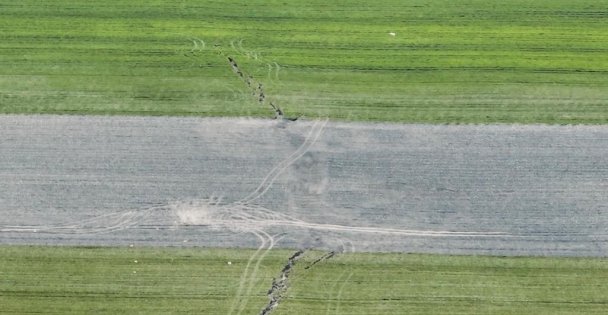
(169, 280)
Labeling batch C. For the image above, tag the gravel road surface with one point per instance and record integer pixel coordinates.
(460, 189)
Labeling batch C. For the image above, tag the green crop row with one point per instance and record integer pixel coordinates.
(78, 280)
(466, 61)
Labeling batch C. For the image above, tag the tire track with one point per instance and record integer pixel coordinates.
(310, 140)
(239, 300)
(270, 239)
(531, 232)
(342, 279)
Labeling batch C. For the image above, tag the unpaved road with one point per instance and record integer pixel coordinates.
(501, 190)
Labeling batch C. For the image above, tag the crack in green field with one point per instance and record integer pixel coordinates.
(464, 61)
(121, 280)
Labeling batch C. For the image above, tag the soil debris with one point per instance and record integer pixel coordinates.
(320, 259)
(257, 90)
(279, 286)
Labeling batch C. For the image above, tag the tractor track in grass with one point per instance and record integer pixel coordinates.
(494, 189)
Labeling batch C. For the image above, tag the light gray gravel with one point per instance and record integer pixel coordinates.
(498, 189)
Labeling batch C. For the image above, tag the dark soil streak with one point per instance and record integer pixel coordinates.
(279, 287)
(257, 89)
(320, 259)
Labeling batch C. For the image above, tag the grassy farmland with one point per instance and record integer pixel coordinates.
(159, 281)
(437, 61)
(448, 61)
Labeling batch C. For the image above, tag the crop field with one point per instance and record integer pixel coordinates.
(330, 189)
(409, 61)
(167, 280)
(429, 157)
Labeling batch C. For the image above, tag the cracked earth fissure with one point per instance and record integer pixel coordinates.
(256, 88)
(280, 285)
(320, 259)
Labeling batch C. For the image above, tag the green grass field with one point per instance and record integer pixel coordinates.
(466, 61)
(62, 280)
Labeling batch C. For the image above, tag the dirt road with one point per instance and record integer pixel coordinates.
(499, 189)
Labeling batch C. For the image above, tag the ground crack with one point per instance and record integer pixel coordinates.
(320, 259)
(279, 287)
(257, 89)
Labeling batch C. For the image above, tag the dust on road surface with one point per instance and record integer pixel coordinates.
(233, 182)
